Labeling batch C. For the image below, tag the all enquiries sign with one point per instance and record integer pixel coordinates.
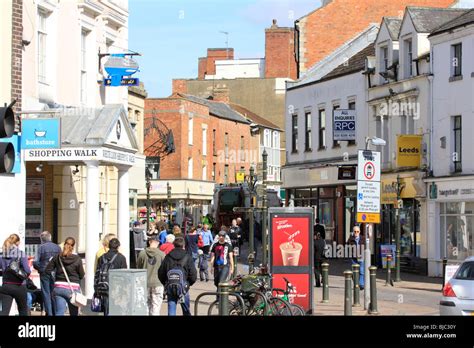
(344, 125)
(368, 187)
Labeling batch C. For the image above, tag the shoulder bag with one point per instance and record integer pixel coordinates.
(16, 269)
(77, 298)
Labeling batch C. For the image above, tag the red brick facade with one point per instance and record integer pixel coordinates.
(17, 38)
(175, 112)
(322, 31)
(207, 65)
(280, 52)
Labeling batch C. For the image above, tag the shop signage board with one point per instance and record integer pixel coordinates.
(344, 125)
(368, 187)
(40, 133)
(409, 149)
(291, 252)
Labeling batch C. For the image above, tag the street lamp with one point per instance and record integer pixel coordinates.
(264, 207)
(399, 187)
(375, 141)
(148, 187)
(252, 184)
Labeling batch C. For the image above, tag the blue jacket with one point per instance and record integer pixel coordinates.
(45, 253)
(7, 257)
(207, 237)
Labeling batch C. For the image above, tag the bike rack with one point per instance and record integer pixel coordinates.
(210, 293)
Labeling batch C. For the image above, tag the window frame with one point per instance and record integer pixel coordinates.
(456, 61)
(321, 129)
(457, 129)
(307, 131)
(294, 133)
(335, 143)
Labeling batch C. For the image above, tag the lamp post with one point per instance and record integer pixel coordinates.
(148, 187)
(399, 187)
(264, 207)
(251, 256)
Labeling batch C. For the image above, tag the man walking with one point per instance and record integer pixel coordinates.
(178, 274)
(222, 259)
(46, 251)
(356, 240)
(151, 259)
(318, 258)
(318, 228)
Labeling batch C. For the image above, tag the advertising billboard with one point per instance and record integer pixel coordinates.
(291, 252)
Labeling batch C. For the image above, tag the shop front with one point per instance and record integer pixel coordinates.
(451, 218)
(409, 204)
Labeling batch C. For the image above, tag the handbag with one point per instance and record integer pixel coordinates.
(77, 298)
(200, 242)
(16, 269)
(96, 303)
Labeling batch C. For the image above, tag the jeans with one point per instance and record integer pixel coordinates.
(47, 287)
(195, 257)
(203, 267)
(172, 304)
(155, 299)
(18, 293)
(220, 274)
(318, 272)
(62, 298)
(362, 272)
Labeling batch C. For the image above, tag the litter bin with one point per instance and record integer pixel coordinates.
(128, 292)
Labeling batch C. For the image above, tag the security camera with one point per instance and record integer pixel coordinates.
(378, 141)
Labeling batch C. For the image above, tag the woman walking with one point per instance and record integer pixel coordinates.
(13, 285)
(67, 282)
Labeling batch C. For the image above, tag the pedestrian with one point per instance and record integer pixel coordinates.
(318, 228)
(151, 259)
(161, 224)
(112, 259)
(235, 234)
(208, 220)
(152, 232)
(227, 238)
(162, 235)
(242, 231)
(45, 253)
(222, 259)
(168, 246)
(68, 274)
(319, 256)
(191, 242)
(203, 266)
(14, 286)
(178, 274)
(207, 239)
(177, 231)
(359, 242)
(104, 248)
(139, 239)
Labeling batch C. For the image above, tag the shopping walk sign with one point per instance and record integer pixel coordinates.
(368, 187)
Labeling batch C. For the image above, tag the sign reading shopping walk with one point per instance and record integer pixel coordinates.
(344, 126)
(291, 252)
(368, 187)
(40, 133)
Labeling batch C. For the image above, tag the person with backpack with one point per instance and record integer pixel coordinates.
(103, 248)
(112, 259)
(68, 274)
(178, 274)
(222, 259)
(11, 259)
(46, 251)
(151, 259)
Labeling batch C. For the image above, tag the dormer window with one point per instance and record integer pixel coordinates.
(408, 59)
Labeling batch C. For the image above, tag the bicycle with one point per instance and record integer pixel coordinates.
(296, 310)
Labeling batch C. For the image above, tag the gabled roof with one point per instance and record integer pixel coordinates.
(393, 25)
(427, 19)
(217, 109)
(253, 117)
(462, 20)
(354, 64)
(93, 126)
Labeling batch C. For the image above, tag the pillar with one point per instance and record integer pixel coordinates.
(123, 213)
(92, 223)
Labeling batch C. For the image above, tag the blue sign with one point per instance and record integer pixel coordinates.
(344, 126)
(118, 66)
(16, 142)
(126, 81)
(40, 133)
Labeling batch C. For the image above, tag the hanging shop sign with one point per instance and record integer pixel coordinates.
(119, 67)
(40, 133)
(409, 149)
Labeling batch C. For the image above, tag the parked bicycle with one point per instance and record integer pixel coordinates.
(296, 310)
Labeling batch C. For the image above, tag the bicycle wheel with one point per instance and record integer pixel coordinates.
(279, 307)
(234, 308)
(256, 303)
(297, 310)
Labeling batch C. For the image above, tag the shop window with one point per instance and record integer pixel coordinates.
(456, 223)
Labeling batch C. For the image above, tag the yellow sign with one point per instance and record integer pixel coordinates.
(409, 150)
(370, 218)
(389, 190)
(239, 177)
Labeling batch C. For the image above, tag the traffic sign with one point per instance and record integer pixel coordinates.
(368, 166)
(368, 218)
(368, 197)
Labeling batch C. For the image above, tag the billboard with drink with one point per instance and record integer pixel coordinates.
(291, 252)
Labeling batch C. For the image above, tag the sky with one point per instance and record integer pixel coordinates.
(172, 34)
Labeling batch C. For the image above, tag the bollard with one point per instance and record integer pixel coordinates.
(224, 289)
(356, 273)
(388, 281)
(445, 262)
(325, 272)
(347, 293)
(373, 290)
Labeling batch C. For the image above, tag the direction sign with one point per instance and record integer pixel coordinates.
(368, 166)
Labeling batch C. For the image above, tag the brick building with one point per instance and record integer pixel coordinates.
(322, 31)
(212, 141)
